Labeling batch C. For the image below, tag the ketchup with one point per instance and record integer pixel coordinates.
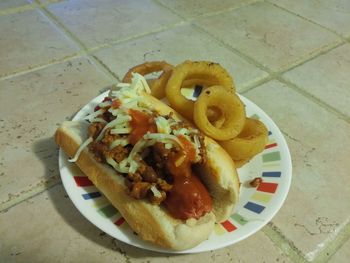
(188, 197)
(140, 123)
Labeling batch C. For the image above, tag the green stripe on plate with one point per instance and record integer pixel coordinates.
(270, 157)
(108, 211)
(239, 219)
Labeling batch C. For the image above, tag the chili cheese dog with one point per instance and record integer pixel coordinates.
(169, 182)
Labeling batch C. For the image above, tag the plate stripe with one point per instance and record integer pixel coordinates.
(228, 226)
(267, 187)
(271, 174)
(108, 211)
(82, 181)
(91, 195)
(261, 197)
(239, 219)
(254, 207)
(120, 221)
(270, 157)
(270, 145)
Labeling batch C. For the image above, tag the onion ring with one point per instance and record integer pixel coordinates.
(248, 143)
(240, 163)
(157, 85)
(230, 106)
(194, 70)
(190, 83)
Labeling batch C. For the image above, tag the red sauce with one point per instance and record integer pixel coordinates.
(116, 104)
(188, 197)
(140, 123)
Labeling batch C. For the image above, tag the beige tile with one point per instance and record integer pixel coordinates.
(317, 206)
(175, 46)
(31, 106)
(327, 78)
(334, 14)
(50, 229)
(12, 3)
(99, 22)
(27, 40)
(190, 9)
(273, 37)
(342, 255)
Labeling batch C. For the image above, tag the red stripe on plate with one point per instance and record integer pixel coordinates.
(267, 187)
(270, 145)
(228, 226)
(119, 221)
(82, 181)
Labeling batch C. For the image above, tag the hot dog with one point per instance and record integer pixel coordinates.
(170, 182)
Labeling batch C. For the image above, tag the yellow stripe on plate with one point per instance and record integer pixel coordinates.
(261, 197)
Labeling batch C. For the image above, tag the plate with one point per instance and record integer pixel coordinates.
(256, 206)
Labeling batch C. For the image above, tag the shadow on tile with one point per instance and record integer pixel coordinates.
(70, 213)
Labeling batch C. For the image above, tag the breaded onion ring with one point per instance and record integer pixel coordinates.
(248, 143)
(210, 71)
(189, 83)
(240, 163)
(157, 85)
(230, 107)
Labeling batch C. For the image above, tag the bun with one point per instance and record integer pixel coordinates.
(153, 222)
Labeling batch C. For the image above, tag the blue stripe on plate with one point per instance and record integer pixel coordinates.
(270, 133)
(254, 207)
(91, 195)
(271, 174)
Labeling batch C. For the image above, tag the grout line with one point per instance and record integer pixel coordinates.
(135, 37)
(234, 50)
(17, 9)
(312, 56)
(314, 99)
(332, 247)
(37, 67)
(209, 14)
(280, 241)
(307, 19)
(26, 194)
(60, 26)
(255, 84)
(74, 39)
(97, 60)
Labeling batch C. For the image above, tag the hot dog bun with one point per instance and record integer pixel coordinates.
(151, 222)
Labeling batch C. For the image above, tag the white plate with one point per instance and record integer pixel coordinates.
(255, 209)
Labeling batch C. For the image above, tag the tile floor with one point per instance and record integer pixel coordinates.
(291, 58)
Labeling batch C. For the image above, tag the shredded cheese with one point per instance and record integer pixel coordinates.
(93, 115)
(80, 149)
(123, 142)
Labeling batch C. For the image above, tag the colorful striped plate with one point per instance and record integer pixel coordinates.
(255, 209)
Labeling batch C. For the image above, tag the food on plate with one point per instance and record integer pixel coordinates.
(229, 107)
(157, 85)
(256, 182)
(251, 141)
(207, 70)
(169, 181)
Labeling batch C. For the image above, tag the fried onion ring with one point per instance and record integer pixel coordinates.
(231, 108)
(248, 143)
(190, 83)
(206, 70)
(157, 85)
